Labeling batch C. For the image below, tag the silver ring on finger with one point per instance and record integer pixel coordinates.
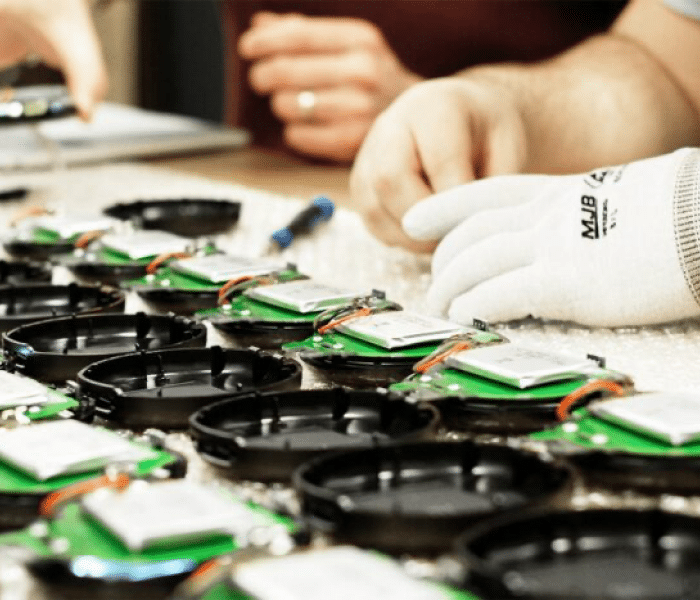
(306, 103)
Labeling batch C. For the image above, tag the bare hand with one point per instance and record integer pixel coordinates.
(61, 32)
(437, 135)
(346, 62)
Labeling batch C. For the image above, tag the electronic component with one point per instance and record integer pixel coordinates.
(198, 283)
(140, 245)
(370, 342)
(53, 455)
(138, 543)
(265, 436)
(178, 512)
(55, 350)
(70, 226)
(271, 310)
(23, 304)
(671, 417)
(341, 572)
(416, 498)
(583, 555)
(304, 296)
(64, 447)
(162, 389)
(189, 217)
(24, 400)
(34, 103)
(481, 383)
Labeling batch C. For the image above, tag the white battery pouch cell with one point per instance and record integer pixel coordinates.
(672, 417)
(144, 244)
(520, 366)
(47, 450)
(304, 296)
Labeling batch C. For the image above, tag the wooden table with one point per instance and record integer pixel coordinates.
(269, 170)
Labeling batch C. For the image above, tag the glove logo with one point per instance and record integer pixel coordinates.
(597, 178)
(595, 222)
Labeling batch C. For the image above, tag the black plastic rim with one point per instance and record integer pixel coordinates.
(189, 217)
(55, 350)
(266, 436)
(358, 371)
(108, 273)
(177, 300)
(21, 304)
(162, 389)
(39, 251)
(647, 472)
(584, 555)
(418, 497)
(263, 334)
(18, 272)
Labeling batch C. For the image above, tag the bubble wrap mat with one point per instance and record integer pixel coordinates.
(342, 252)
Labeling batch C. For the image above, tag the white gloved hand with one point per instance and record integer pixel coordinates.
(618, 246)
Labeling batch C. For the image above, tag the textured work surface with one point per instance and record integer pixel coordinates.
(345, 254)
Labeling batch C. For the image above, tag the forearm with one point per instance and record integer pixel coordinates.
(607, 101)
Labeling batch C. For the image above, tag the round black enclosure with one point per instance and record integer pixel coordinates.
(584, 555)
(178, 300)
(265, 436)
(162, 389)
(266, 334)
(36, 250)
(17, 272)
(34, 302)
(356, 370)
(55, 350)
(647, 472)
(104, 272)
(417, 497)
(189, 217)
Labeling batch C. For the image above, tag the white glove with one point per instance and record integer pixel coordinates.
(619, 246)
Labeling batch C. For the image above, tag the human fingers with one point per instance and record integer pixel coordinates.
(503, 298)
(297, 34)
(437, 215)
(337, 140)
(265, 17)
(387, 172)
(480, 262)
(315, 71)
(333, 104)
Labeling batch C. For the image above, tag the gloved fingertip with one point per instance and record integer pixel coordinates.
(417, 226)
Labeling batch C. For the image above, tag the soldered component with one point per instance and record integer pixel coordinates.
(671, 417)
(55, 448)
(144, 244)
(220, 268)
(521, 366)
(170, 512)
(399, 329)
(304, 296)
(16, 391)
(71, 225)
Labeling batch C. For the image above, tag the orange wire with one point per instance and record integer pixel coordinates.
(159, 260)
(50, 501)
(458, 347)
(363, 312)
(231, 282)
(562, 411)
(205, 568)
(31, 211)
(87, 237)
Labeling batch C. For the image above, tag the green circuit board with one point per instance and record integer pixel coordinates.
(596, 434)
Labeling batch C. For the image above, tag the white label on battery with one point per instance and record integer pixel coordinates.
(399, 329)
(340, 573)
(304, 296)
(67, 226)
(220, 268)
(178, 511)
(144, 244)
(520, 366)
(16, 390)
(55, 448)
(671, 417)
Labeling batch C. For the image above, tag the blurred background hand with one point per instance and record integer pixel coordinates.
(62, 34)
(346, 63)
